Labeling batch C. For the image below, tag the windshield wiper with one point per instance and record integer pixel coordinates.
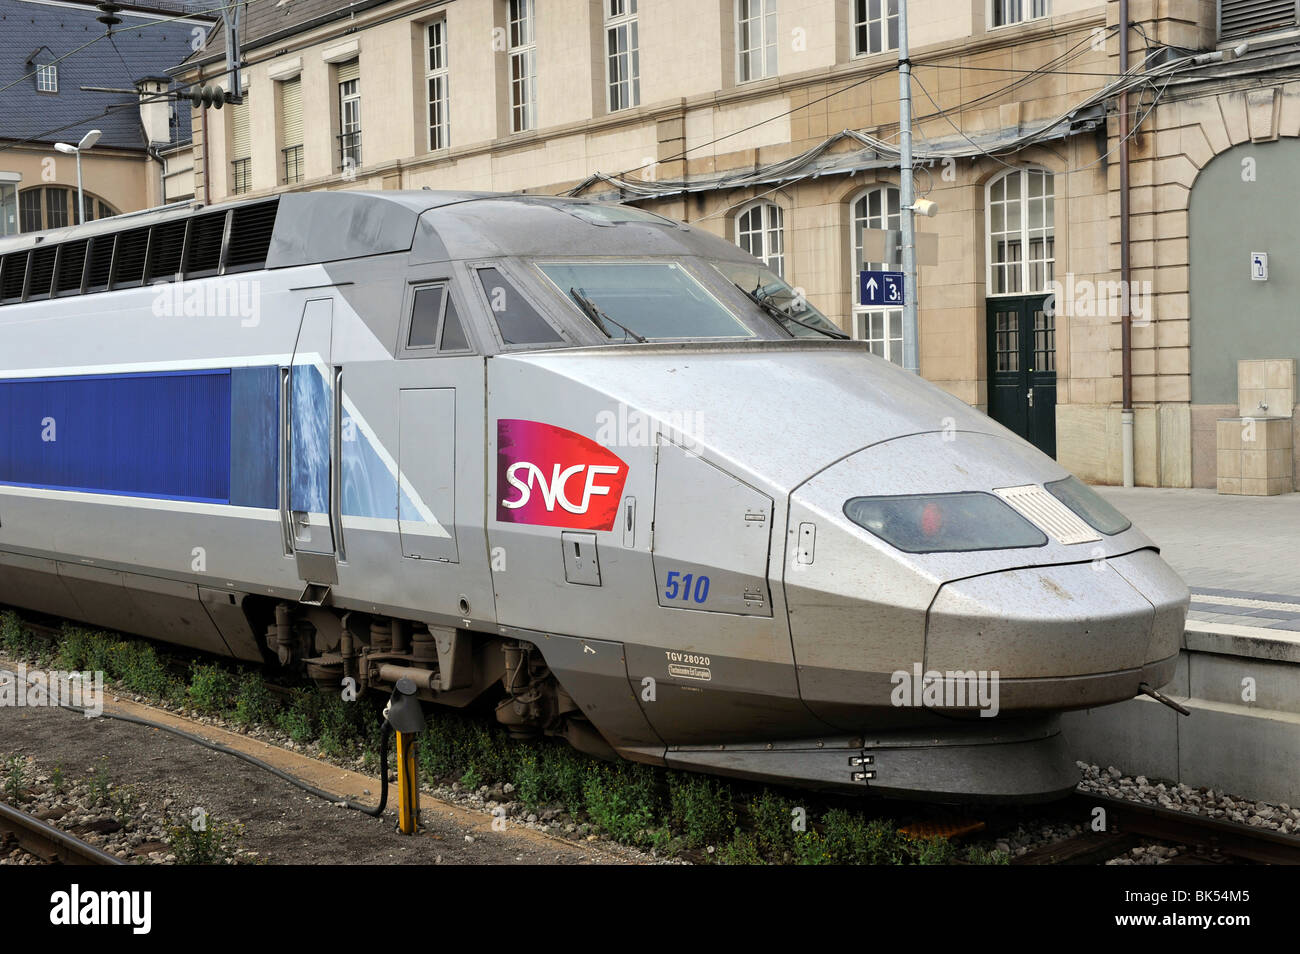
(598, 317)
(783, 317)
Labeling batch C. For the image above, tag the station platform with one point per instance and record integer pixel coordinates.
(1239, 668)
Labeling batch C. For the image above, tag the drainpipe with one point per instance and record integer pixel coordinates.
(207, 171)
(1126, 299)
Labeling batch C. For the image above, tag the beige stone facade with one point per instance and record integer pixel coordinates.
(697, 116)
(120, 180)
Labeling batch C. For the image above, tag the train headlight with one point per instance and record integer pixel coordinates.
(1089, 505)
(935, 523)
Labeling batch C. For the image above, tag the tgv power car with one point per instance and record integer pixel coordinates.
(589, 467)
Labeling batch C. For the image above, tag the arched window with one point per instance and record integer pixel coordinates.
(877, 208)
(1022, 232)
(759, 232)
(55, 207)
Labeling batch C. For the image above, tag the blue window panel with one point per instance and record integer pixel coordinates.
(369, 485)
(311, 404)
(161, 435)
(255, 437)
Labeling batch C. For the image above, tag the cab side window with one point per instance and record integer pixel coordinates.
(435, 321)
(517, 320)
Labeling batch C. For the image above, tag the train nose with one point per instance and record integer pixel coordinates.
(1062, 636)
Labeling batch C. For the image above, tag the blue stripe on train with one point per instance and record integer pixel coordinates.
(207, 436)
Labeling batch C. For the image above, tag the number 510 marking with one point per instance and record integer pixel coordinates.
(679, 583)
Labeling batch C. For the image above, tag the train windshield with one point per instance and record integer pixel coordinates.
(641, 301)
(801, 319)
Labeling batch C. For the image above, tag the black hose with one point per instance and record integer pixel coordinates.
(375, 812)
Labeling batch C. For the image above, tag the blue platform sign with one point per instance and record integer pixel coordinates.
(881, 289)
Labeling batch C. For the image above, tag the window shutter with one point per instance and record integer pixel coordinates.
(349, 71)
(291, 112)
(240, 147)
(1244, 17)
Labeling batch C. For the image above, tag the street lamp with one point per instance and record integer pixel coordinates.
(87, 141)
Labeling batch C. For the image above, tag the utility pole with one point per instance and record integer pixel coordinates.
(907, 214)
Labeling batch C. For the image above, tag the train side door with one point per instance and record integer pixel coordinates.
(426, 496)
(310, 495)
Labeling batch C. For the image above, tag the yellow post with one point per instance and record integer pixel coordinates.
(408, 805)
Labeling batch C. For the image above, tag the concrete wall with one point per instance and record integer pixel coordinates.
(1235, 742)
(1244, 201)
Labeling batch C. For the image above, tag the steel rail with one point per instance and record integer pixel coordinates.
(49, 843)
(1260, 845)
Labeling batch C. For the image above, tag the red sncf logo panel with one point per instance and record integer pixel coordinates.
(553, 477)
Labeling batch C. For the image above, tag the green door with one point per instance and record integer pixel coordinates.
(1022, 368)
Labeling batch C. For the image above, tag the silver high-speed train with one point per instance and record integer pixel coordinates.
(598, 470)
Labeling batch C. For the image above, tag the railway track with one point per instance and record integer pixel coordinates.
(1129, 824)
(48, 843)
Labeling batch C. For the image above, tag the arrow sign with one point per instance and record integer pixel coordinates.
(880, 289)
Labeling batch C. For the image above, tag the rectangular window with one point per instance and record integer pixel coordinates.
(1009, 12)
(56, 208)
(883, 331)
(240, 148)
(350, 115)
(436, 84)
(622, 54)
(47, 78)
(755, 39)
(8, 209)
(875, 26)
(29, 210)
(291, 129)
(523, 66)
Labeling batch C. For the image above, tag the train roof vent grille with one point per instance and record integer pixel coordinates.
(71, 264)
(168, 245)
(101, 262)
(250, 236)
(131, 249)
(38, 286)
(12, 276)
(203, 252)
(1049, 514)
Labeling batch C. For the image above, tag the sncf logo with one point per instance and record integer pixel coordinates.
(553, 477)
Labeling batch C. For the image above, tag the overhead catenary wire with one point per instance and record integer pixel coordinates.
(1074, 50)
(109, 33)
(885, 153)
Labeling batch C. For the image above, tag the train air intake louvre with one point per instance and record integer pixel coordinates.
(72, 263)
(168, 244)
(38, 285)
(13, 271)
(250, 236)
(101, 262)
(1048, 513)
(131, 249)
(203, 252)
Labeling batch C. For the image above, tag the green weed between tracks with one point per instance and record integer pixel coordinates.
(674, 813)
